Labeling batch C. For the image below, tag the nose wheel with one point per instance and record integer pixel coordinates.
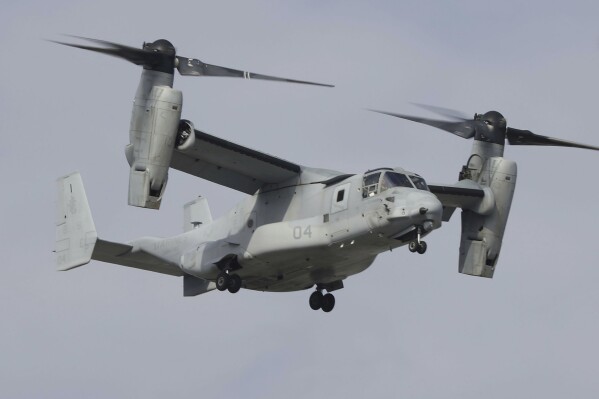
(418, 245)
(318, 300)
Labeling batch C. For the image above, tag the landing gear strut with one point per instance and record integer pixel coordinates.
(418, 245)
(226, 281)
(318, 300)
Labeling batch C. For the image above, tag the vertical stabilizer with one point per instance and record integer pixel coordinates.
(196, 213)
(75, 230)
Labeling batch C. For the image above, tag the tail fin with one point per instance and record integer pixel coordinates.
(77, 241)
(75, 230)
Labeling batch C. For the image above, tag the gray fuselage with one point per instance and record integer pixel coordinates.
(300, 233)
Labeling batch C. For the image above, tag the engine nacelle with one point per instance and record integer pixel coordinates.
(482, 235)
(153, 133)
(185, 135)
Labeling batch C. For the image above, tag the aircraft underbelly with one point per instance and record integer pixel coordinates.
(295, 255)
(301, 269)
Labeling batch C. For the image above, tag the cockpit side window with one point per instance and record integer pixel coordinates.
(419, 183)
(394, 179)
(370, 186)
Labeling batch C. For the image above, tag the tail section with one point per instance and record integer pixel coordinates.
(75, 230)
(196, 213)
(77, 241)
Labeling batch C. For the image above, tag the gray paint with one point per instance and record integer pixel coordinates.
(154, 126)
(280, 238)
(408, 319)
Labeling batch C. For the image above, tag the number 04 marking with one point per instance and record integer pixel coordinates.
(299, 232)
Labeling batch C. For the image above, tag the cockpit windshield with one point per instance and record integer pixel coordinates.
(377, 182)
(419, 183)
(394, 179)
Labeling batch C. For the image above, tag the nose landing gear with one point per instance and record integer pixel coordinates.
(418, 245)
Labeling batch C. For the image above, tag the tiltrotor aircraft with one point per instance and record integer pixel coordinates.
(299, 227)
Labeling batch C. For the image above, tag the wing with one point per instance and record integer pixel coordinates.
(466, 194)
(232, 165)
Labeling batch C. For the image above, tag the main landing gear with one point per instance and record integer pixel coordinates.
(417, 245)
(318, 300)
(226, 281)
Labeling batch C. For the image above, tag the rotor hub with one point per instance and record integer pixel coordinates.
(160, 56)
(161, 46)
(490, 127)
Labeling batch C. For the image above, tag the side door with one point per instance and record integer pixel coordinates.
(338, 216)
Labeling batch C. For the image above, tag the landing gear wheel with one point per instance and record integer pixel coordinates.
(316, 300)
(234, 283)
(421, 247)
(222, 281)
(413, 246)
(328, 302)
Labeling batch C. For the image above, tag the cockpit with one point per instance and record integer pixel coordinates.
(378, 181)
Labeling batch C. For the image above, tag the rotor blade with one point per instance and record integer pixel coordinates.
(135, 55)
(450, 113)
(526, 137)
(463, 129)
(195, 67)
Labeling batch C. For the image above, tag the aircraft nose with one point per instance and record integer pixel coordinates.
(430, 209)
(420, 207)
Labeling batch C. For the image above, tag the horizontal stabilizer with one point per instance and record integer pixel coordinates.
(130, 256)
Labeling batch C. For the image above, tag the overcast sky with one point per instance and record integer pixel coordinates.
(410, 326)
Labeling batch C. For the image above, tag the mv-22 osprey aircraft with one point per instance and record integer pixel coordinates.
(300, 227)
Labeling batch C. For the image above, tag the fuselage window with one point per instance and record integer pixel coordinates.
(371, 185)
(419, 183)
(340, 195)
